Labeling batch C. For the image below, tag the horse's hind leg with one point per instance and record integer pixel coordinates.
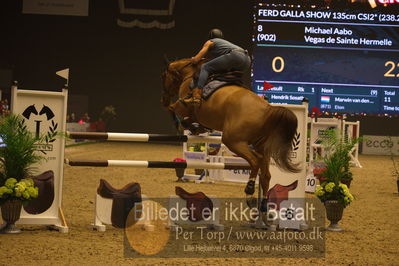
(253, 158)
(264, 181)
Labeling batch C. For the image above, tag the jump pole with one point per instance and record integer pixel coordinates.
(109, 136)
(156, 164)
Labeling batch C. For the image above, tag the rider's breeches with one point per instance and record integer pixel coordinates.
(233, 61)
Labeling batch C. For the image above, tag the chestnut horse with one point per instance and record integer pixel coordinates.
(243, 117)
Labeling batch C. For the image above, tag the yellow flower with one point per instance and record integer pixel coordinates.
(20, 187)
(10, 182)
(347, 193)
(319, 191)
(33, 192)
(28, 182)
(25, 194)
(343, 186)
(329, 187)
(6, 190)
(351, 198)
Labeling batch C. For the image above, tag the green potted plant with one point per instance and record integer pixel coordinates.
(17, 157)
(333, 192)
(347, 175)
(335, 198)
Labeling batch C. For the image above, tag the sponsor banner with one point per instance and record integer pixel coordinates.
(56, 7)
(44, 113)
(380, 145)
(197, 156)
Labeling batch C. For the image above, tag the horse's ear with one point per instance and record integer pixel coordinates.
(166, 60)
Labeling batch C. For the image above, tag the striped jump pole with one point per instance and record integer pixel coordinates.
(156, 164)
(143, 137)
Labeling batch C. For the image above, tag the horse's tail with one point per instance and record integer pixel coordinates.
(282, 123)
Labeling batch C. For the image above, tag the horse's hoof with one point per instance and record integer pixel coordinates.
(186, 123)
(252, 202)
(263, 205)
(197, 129)
(250, 188)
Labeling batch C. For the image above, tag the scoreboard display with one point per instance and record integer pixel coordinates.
(344, 59)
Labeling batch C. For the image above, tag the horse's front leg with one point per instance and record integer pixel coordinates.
(184, 115)
(180, 109)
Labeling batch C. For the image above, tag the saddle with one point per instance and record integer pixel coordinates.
(197, 200)
(45, 183)
(123, 200)
(231, 76)
(278, 193)
(216, 81)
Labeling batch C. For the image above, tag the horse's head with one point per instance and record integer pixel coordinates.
(171, 81)
(173, 76)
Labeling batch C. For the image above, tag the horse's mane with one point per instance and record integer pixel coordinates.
(179, 61)
(183, 62)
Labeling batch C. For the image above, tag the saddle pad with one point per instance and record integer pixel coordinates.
(216, 81)
(213, 86)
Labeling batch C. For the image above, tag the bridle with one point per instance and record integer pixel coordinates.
(175, 77)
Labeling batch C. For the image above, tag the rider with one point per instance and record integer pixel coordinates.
(223, 56)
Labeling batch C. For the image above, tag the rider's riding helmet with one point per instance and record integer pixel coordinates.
(215, 33)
